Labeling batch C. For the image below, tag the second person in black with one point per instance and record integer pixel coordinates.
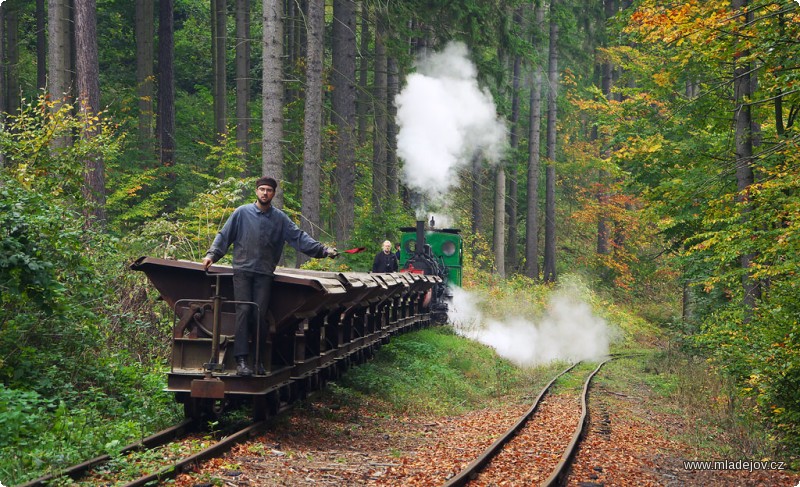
(385, 260)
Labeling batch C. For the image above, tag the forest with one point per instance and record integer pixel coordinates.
(649, 147)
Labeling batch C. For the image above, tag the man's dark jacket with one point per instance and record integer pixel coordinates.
(258, 237)
(385, 262)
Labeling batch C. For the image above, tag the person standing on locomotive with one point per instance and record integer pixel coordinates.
(385, 260)
(258, 232)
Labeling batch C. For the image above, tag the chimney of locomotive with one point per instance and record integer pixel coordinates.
(420, 247)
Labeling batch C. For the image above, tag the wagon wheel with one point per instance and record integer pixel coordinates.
(195, 408)
(260, 411)
(266, 405)
(199, 408)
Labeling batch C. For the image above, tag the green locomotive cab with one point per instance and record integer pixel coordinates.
(446, 245)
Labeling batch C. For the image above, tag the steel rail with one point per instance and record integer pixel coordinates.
(155, 440)
(159, 439)
(560, 472)
(212, 451)
(470, 471)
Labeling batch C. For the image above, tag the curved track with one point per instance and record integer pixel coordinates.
(559, 472)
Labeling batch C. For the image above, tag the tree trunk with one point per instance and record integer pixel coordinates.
(3, 69)
(500, 221)
(144, 26)
(88, 75)
(312, 129)
(272, 94)
(3, 83)
(12, 59)
(344, 108)
(166, 84)
(550, 170)
(363, 98)
(511, 200)
(219, 33)
(534, 146)
(602, 221)
(477, 196)
(88, 67)
(742, 87)
(686, 301)
(606, 80)
(293, 28)
(60, 48)
(780, 127)
(392, 89)
(41, 46)
(242, 74)
(380, 101)
(59, 55)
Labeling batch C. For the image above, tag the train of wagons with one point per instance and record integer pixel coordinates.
(320, 323)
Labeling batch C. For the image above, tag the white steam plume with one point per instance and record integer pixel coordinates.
(445, 119)
(567, 332)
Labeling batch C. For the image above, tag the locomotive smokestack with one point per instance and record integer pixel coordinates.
(419, 250)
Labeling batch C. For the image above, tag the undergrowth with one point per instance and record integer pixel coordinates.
(433, 371)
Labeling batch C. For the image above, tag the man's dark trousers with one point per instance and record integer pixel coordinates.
(255, 287)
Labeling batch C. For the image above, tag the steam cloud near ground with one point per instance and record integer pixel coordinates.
(445, 119)
(568, 331)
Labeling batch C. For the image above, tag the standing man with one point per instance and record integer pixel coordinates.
(385, 260)
(258, 232)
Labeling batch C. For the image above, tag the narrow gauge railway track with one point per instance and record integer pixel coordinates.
(176, 467)
(214, 450)
(155, 440)
(479, 471)
(92, 471)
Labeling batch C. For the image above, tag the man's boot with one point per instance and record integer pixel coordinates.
(241, 366)
(260, 370)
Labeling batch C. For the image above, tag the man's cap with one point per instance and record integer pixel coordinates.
(268, 181)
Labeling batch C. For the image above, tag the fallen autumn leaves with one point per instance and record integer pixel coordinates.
(322, 443)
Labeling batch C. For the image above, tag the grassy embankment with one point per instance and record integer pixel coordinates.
(436, 371)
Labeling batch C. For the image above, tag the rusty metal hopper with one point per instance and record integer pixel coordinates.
(294, 296)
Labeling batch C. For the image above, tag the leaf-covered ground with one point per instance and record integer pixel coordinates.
(322, 443)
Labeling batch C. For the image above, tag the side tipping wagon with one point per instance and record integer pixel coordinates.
(319, 324)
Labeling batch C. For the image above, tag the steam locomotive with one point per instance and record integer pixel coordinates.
(440, 254)
(320, 323)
